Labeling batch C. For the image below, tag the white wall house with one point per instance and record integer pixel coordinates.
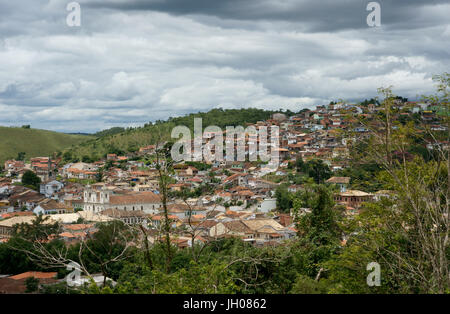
(50, 188)
(267, 205)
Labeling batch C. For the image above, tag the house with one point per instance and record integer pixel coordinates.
(50, 188)
(252, 230)
(35, 274)
(13, 167)
(235, 228)
(267, 230)
(341, 182)
(5, 208)
(6, 226)
(86, 280)
(112, 157)
(157, 221)
(17, 284)
(183, 211)
(74, 173)
(26, 198)
(80, 170)
(44, 167)
(383, 194)
(294, 188)
(285, 219)
(126, 216)
(49, 207)
(150, 149)
(262, 184)
(178, 186)
(240, 179)
(353, 198)
(267, 205)
(283, 152)
(72, 237)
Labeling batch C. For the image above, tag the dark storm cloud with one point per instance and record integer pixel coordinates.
(326, 15)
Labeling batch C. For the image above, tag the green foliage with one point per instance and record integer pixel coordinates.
(58, 288)
(319, 230)
(21, 156)
(38, 230)
(199, 165)
(363, 176)
(108, 132)
(192, 278)
(32, 284)
(13, 259)
(314, 168)
(29, 178)
(284, 198)
(306, 285)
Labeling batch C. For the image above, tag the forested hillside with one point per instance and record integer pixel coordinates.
(110, 141)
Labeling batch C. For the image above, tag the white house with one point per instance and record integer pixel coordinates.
(267, 205)
(50, 188)
(50, 207)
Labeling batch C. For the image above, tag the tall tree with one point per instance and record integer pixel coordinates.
(29, 178)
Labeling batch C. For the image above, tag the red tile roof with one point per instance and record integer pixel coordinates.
(35, 274)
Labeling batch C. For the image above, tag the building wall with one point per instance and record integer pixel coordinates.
(267, 205)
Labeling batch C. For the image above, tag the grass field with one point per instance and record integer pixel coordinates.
(34, 142)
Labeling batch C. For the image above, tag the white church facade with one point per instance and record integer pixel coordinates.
(99, 200)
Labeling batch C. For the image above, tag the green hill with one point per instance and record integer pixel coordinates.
(132, 138)
(34, 142)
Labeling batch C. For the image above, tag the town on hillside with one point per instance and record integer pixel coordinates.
(202, 202)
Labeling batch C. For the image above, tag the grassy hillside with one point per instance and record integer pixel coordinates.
(131, 139)
(34, 142)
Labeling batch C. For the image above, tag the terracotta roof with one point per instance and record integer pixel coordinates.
(233, 176)
(341, 180)
(35, 274)
(76, 227)
(237, 226)
(138, 198)
(208, 223)
(8, 285)
(160, 217)
(15, 214)
(181, 208)
(354, 193)
(263, 225)
(245, 193)
(52, 205)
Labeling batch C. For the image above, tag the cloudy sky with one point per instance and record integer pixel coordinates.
(134, 61)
